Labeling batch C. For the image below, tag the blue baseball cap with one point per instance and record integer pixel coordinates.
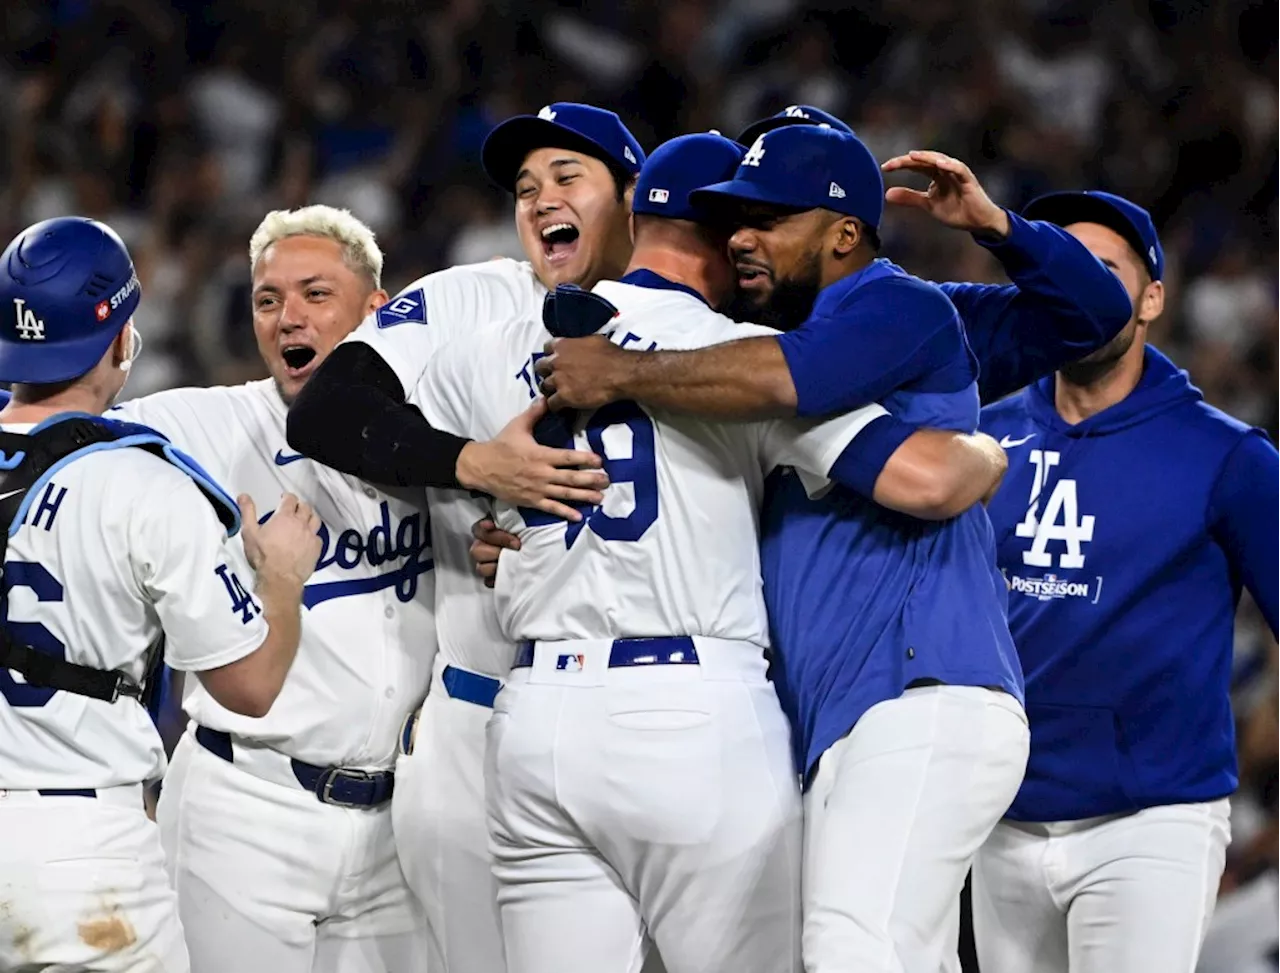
(792, 115)
(67, 289)
(565, 125)
(1116, 213)
(805, 167)
(678, 167)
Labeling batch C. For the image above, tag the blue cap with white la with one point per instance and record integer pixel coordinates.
(792, 115)
(678, 167)
(563, 125)
(67, 289)
(1114, 212)
(805, 167)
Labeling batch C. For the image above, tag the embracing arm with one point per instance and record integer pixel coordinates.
(1243, 518)
(1063, 304)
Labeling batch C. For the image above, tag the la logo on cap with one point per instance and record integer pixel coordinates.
(795, 111)
(755, 153)
(546, 114)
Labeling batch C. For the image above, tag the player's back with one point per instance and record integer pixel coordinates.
(673, 549)
(80, 583)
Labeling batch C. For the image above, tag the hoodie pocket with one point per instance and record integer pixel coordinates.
(1078, 766)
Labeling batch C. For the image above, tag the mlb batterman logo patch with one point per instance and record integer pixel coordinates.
(410, 306)
(658, 195)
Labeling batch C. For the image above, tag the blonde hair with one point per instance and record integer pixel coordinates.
(360, 250)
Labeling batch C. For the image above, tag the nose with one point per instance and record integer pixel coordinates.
(743, 241)
(549, 200)
(293, 312)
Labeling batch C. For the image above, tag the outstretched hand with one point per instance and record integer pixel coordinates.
(954, 198)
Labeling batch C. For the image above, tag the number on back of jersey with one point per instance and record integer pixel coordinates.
(241, 600)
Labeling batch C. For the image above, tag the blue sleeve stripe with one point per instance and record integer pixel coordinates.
(862, 461)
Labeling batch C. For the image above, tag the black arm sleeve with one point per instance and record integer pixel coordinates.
(352, 416)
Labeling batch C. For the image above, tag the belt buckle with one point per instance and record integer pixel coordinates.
(331, 776)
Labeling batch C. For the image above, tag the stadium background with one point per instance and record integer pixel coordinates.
(182, 123)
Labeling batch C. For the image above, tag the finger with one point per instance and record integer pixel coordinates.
(575, 495)
(946, 163)
(498, 540)
(577, 479)
(482, 527)
(902, 196)
(549, 506)
(487, 569)
(483, 553)
(248, 513)
(567, 458)
(547, 386)
(288, 504)
(908, 162)
(546, 365)
(314, 522)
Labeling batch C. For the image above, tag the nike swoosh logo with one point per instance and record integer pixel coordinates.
(1005, 442)
(6, 496)
(283, 460)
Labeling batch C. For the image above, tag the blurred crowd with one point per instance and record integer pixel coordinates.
(181, 122)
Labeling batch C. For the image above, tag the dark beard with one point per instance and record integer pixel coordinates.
(1093, 368)
(792, 299)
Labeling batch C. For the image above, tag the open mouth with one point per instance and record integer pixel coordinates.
(752, 276)
(559, 241)
(298, 359)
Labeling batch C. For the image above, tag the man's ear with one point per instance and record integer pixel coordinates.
(1151, 302)
(376, 299)
(846, 235)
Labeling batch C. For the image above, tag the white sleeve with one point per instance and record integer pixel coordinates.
(813, 446)
(433, 310)
(446, 393)
(197, 578)
(183, 416)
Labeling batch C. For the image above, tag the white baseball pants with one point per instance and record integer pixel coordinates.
(83, 886)
(439, 816)
(270, 880)
(655, 802)
(896, 813)
(1121, 894)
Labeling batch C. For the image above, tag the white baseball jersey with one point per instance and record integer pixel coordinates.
(368, 632)
(116, 548)
(407, 332)
(673, 548)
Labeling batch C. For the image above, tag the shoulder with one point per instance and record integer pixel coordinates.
(896, 293)
(216, 399)
(1009, 411)
(514, 277)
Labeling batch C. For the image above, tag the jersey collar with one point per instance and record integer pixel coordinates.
(647, 278)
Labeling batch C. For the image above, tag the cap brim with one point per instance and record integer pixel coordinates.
(722, 196)
(507, 146)
(756, 129)
(1063, 209)
(36, 363)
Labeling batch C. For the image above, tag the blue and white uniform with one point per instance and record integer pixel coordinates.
(1126, 540)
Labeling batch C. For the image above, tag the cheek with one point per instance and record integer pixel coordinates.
(265, 326)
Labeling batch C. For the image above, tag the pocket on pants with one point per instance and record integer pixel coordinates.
(661, 765)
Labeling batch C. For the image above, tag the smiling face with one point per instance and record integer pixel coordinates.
(778, 257)
(306, 299)
(572, 226)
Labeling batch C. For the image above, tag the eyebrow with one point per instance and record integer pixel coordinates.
(555, 164)
(1109, 263)
(305, 282)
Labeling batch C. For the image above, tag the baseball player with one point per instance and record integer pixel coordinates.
(315, 883)
(571, 169)
(1132, 515)
(679, 819)
(912, 693)
(115, 544)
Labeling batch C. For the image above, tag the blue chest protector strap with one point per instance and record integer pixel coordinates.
(27, 462)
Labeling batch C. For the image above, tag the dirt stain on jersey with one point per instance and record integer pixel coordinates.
(110, 932)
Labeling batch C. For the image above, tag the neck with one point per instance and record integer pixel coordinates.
(838, 268)
(687, 267)
(76, 398)
(1082, 396)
